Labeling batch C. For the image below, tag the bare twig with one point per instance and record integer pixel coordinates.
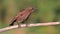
(29, 25)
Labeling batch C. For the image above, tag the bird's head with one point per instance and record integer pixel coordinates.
(31, 9)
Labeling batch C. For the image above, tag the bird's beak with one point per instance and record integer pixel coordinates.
(35, 9)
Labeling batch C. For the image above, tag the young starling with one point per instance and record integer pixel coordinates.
(22, 15)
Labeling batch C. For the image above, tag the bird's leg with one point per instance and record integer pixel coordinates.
(27, 24)
(19, 24)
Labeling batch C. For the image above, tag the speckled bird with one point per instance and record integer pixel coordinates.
(22, 15)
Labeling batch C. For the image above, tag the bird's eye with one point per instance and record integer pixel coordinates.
(32, 8)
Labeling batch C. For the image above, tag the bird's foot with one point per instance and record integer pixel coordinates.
(27, 25)
(19, 25)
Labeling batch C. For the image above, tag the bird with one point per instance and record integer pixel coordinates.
(22, 16)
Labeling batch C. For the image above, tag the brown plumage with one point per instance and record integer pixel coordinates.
(23, 15)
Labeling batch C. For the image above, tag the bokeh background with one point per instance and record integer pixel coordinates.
(48, 11)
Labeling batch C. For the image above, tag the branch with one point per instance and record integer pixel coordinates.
(29, 25)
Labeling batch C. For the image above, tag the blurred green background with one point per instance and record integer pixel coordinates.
(48, 11)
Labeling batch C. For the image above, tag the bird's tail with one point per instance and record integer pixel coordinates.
(12, 23)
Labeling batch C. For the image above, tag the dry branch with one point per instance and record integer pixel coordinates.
(29, 25)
